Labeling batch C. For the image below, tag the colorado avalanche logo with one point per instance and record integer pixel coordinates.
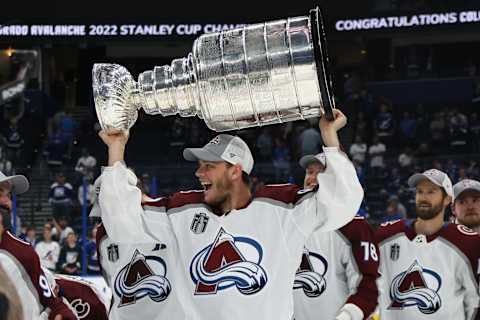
(410, 288)
(137, 280)
(306, 278)
(222, 265)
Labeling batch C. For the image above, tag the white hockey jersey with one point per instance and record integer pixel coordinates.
(240, 265)
(140, 277)
(428, 277)
(22, 265)
(337, 267)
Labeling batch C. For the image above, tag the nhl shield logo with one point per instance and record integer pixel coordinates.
(112, 251)
(394, 252)
(199, 223)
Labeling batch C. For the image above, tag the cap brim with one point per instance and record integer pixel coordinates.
(19, 183)
(195, 154)
(466, 189)
(305, 161)
(417, 177)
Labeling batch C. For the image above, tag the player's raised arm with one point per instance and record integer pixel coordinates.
(120, 200)
(339, 192)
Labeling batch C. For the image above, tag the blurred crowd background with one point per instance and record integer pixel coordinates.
(411, 94)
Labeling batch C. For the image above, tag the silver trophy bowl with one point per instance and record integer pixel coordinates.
(257, 75)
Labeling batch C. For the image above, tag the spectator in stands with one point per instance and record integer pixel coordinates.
(473, 169)
(474, 131)
(397, 206)
(384, 123)
(57, 148)
(48, 250)
(67, 127)
(376, 152)
(458, 131)
(86, 164)
(61, 196)
(30, 236)
(395, 181)
(281, 160)
(362, 128)
(90, 194)
(438, 132)
(408, 127)
(70, 259)
(310, 140)
(405, 159)
(5, 164)
(14, 142)
(422, 118)
(61, 229)
(423, 151)
(358, 150)
(264, 146)
(462, 174)
(451, 169)
(91, 250)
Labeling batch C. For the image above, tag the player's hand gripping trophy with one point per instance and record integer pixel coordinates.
(257, 75)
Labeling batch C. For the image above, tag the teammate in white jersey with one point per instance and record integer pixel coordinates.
(429, 268)
(238, 253)
(466, 206)
(336, 277)
(21, 262)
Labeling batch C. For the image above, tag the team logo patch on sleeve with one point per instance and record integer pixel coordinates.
(312, 282)
(143, 277)
(416, 287)
(229, 262)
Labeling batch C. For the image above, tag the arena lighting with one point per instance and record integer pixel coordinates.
(9, 51)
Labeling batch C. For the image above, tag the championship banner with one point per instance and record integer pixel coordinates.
(111, 30)
(408, 21)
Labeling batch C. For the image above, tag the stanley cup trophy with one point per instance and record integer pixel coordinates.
(257, 75)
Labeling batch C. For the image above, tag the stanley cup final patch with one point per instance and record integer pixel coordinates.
(394, 251)
(113, 253)
(199, 223)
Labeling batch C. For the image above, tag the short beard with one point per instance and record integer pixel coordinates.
(224, 185)
(472, 220)
(431, 213)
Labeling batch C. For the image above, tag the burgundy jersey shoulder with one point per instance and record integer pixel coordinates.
(83, 298)
(465, 239)
(21, 250)
(101, 234)
(177, 200)
(358, 229)
(389, 229)
(286, 193)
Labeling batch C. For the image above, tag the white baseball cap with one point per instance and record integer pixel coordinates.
(464, 185)
(438, 177)
(19, 183)
(223, 147)
(306, 160)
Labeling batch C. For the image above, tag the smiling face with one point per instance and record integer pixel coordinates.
(430, 200)
(6, 195)
(216, 179)
(467, 208)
